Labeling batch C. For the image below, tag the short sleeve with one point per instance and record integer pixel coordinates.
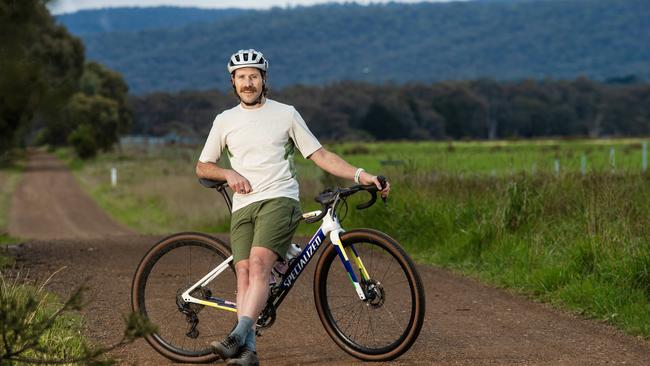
(305, 141)
(214, 144)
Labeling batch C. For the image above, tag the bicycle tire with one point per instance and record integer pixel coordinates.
(345, 323)
(167, 269)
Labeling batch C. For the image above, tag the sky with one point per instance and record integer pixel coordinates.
(69, 6)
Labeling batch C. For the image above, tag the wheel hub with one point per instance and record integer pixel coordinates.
(375, 295)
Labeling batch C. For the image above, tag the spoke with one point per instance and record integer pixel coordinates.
(391, 284)
(390, 314)
(348, 304)
(368, 324)
(166, 315)
(340, 296)
(189, 268)
(354, 328)
(387, 270)
(352, 316)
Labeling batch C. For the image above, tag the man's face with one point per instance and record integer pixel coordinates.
(248, 83)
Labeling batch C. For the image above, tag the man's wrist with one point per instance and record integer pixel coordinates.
(357, 175)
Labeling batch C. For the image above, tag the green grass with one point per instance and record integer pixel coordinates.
(25, 309)
(577, 241)
(9, 179)
(498, 157)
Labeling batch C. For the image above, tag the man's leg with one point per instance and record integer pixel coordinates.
(261, 261)
(241, 268)
(252, 293)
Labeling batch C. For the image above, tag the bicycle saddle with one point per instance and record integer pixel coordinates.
(209, 183)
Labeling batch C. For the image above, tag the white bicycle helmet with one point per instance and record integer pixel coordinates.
(247, 58)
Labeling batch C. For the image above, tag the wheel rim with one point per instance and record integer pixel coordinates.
(167, 274)
(381, 323)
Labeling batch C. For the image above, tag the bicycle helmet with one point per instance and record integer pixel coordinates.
(247, 58)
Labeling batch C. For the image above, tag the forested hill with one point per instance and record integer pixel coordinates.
(424, 42)
(108, 20)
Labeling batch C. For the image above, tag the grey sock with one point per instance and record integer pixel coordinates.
(243, 326)
(250, 340)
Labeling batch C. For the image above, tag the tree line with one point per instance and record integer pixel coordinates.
(477, 109)
(49, 93)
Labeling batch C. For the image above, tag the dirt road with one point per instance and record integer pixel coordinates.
(467, 323)
(49, 204)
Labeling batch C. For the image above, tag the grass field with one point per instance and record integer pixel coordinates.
(500, 157)
(495, 210)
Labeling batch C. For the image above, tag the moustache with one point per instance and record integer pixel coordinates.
(248, 89)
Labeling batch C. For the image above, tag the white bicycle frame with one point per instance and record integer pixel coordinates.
(330, 226)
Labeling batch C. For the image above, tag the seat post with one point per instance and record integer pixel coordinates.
(226, 197)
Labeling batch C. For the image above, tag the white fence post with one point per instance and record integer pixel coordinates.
(583, 164)
(612, 159)
(113, 176)
(557, 166)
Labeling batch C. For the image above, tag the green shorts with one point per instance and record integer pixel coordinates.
(269, 223)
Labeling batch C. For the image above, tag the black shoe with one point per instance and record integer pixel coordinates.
(245, 358)
(229, 347)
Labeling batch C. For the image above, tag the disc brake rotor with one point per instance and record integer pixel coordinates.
(375, 295)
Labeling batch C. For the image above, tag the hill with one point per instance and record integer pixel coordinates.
(425, 42)
(87, 22)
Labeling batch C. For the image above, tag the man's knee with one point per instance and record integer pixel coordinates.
(256, 267)
(260, 265)
(242, 269)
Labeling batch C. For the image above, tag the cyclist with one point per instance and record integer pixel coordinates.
(261, 135)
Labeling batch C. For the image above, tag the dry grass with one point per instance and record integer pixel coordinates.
(155, 194)
(9, 179)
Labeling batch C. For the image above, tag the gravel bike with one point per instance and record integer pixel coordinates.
(371, 304)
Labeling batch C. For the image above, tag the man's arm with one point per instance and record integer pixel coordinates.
(212, 171)
(334, 164)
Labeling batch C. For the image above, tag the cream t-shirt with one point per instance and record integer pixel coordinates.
(261, 144)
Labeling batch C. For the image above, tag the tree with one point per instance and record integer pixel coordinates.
(382, 123)
(41, 64)
(93, 118)
(465, 112)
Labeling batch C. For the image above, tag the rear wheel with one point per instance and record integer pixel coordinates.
(185, 330)
(388, 322)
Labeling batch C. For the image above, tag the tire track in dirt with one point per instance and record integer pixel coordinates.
(467, 323)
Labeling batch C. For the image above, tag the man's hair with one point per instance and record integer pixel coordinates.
(265, 89)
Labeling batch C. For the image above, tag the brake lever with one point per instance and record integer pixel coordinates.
(383, 181)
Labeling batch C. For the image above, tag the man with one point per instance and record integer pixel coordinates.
(260, 135)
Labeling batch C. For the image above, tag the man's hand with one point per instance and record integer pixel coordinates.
(366, 179)
(238, 183)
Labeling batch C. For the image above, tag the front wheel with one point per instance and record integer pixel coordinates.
(388, 322)
(171, 266)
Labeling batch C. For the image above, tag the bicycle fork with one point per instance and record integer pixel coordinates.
(334, 228)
